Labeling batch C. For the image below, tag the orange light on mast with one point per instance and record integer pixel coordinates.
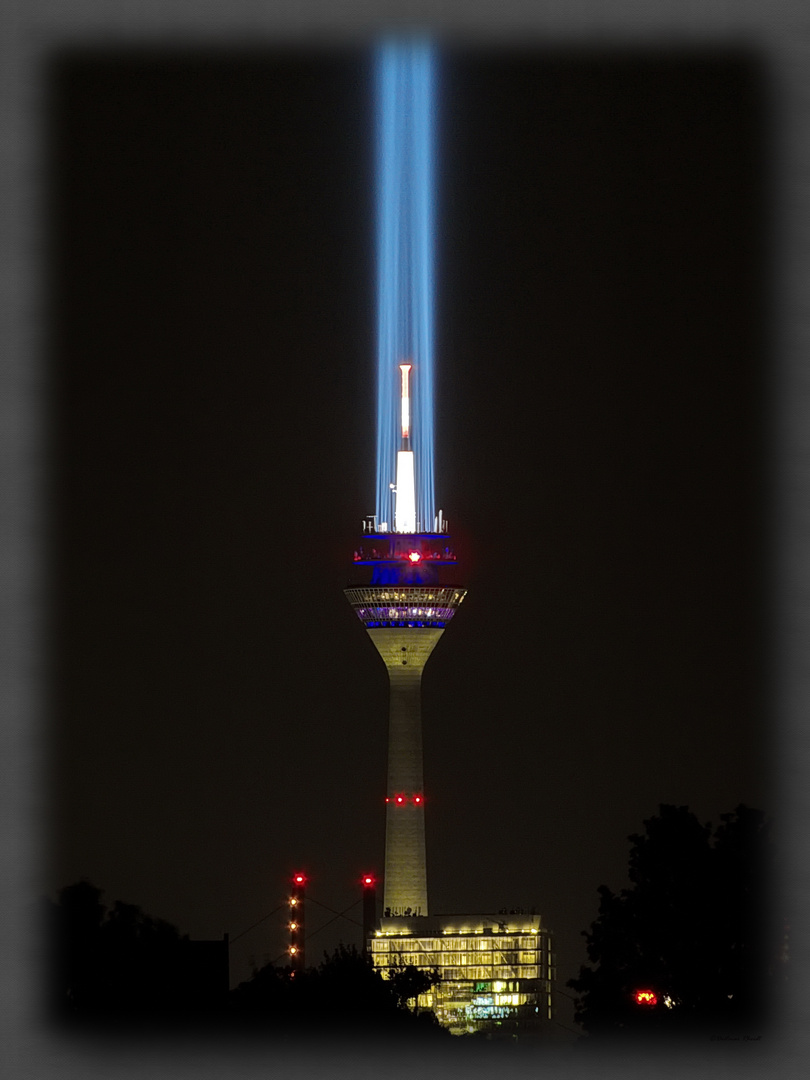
(406, 401)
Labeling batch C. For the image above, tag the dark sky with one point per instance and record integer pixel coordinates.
(219, 717)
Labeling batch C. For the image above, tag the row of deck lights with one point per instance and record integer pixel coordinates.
(466, 930)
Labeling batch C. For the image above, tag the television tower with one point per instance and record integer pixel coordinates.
(494, 966)
(405, 603)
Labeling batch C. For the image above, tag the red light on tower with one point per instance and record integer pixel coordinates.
(299, 879)
(417, 799)
(645, 997)
(369, 883)
(399, 799)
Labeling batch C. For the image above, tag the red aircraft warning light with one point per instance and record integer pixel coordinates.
(645, 997)
(299, 879)
(369, 883)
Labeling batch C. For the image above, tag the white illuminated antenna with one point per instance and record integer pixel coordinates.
(405, 402)
(405, 512)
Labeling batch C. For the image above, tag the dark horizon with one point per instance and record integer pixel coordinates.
(603, 402)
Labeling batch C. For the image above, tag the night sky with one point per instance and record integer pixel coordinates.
(218, 714)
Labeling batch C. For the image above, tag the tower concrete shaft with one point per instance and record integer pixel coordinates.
(405, 651)
(405, 619)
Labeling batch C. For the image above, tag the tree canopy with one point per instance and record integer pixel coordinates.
(114, 962)
(117, 965)
(343, 993)
(695, 929)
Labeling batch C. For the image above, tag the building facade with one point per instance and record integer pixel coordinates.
(495, 971)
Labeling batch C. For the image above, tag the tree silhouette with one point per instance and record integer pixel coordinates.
(75, 924)
(344, 993)
(694, 928)
(409, 982)
(116, 964)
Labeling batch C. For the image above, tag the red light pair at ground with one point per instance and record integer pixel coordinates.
(645, 997)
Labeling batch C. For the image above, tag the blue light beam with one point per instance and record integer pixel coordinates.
(405, 265)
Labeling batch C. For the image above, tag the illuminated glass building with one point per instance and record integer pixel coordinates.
(496, 970)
